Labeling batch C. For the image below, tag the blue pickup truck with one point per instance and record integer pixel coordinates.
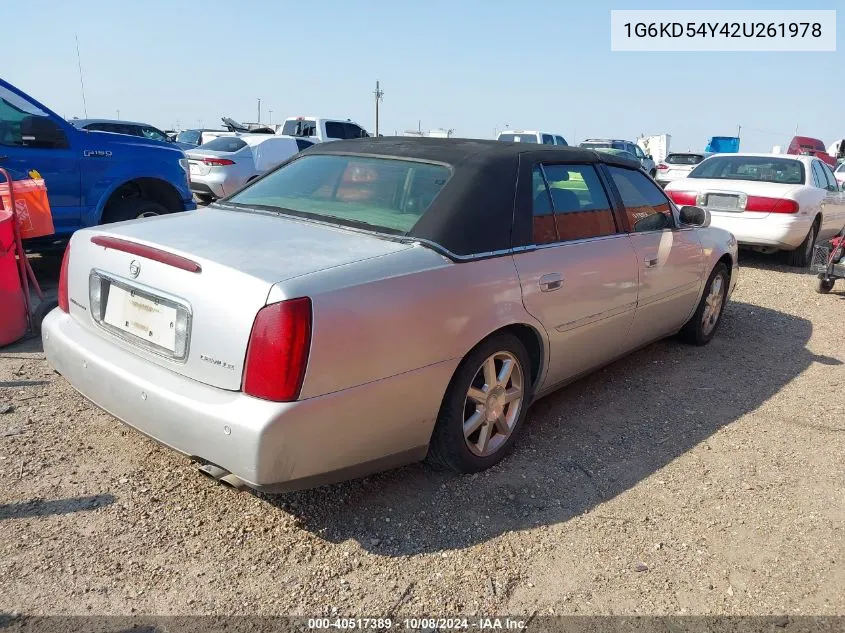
(91, 177)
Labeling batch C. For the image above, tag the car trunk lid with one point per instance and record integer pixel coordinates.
(183, 290)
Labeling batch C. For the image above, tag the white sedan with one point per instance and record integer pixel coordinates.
(770, 202)
(226, 163)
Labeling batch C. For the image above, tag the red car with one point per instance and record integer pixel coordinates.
(810, 147)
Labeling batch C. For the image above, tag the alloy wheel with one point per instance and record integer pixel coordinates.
(713, 305)
(493, 404)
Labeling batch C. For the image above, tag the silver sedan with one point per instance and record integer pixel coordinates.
(374, 302)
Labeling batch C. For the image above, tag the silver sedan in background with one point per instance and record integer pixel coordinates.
(225, 164)
(374, 302)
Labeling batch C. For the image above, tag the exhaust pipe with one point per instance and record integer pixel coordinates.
(223, 476)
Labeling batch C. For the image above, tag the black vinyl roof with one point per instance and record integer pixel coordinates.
(480, 205)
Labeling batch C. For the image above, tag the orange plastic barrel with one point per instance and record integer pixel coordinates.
(12, 305)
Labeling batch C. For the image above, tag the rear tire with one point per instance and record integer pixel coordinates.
(702, 326)
(479, 422)
(802, 256)
(40, 312)
(132, 209)
(824, 286)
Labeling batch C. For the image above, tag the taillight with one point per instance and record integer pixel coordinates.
(217, 162)
(278, 348)
(682, 198)
(64, 304)
(662, 166)
(764, 204)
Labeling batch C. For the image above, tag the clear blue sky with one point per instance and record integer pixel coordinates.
(471, 65)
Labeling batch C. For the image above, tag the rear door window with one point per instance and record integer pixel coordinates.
(819, 179)
(548, 139)
(335, 130)
(647, 207)
(576, 198)
(559, 140)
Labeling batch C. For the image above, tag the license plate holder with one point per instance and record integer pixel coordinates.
(142, 316)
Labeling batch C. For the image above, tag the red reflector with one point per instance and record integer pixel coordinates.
(217, 162)
(64, 304)
(278, 349)
(148, 252)
(765, 204)
(662, 166)
(682, 198)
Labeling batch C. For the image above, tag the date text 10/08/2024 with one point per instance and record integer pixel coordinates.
(413, 624)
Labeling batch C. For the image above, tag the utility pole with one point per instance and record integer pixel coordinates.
(259, 109)
(379, 94)
(118, 115)
(738, 130)
(271, 117)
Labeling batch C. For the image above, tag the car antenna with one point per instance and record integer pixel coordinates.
(81, 83)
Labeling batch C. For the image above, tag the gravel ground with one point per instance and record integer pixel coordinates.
(678, 480)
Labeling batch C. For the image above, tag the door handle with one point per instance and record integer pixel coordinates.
(651, 263)
(551, 281)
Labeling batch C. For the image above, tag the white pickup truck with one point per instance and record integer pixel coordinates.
(320, 130)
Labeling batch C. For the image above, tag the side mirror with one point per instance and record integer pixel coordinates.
(42, 132)
(694, 216)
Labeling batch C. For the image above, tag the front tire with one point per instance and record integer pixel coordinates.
(823, 285)
(802, 256)
(701, 328)
(132, 209)
(484, 407)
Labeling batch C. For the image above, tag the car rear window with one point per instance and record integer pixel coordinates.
(594, 145)
(756, 168)
(224, 144)
(519, 138)
(684, 159)
(189, 136)
(382, 194)
(300, 127)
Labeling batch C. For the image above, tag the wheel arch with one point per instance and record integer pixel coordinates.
(533, 341)
(148, 188)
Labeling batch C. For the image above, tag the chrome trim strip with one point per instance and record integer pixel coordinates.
(595, 318)
(154, 294)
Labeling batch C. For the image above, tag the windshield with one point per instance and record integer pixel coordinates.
(757, 168)
(300, 127)
(224, 144)
(191, 137)
(684, 159)
(383, 194)
(519, 138)
(598, 144)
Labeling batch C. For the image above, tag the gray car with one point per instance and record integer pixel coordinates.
(374, 302)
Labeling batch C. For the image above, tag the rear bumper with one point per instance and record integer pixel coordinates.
(270, 446)
(775, 230)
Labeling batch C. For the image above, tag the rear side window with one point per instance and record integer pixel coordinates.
(225, 144)
(573, 195)
(683, 159)
(647, 207)
(548, 139)
(819, 179)
(560, 140)
(335, 130)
